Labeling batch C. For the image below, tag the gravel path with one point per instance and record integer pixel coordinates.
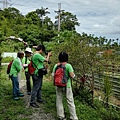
(38, 113)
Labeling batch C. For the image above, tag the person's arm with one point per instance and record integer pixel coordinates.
(53, 70)
(18, 66)
(24, 62)
(71, 71)
(48, 57)
(72, 75)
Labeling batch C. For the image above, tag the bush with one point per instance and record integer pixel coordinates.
(7, 59)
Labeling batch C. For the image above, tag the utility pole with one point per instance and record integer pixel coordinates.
(5, 3)
(59, 12)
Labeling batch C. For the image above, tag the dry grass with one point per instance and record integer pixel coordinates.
(113, 99)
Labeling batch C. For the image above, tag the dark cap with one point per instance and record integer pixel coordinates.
(40, 47)
(63, 57)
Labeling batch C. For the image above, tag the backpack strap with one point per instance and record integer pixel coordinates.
(25, 61)
(34, 63)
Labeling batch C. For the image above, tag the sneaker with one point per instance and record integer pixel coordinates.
(34, 105)
(29, 93)
(62, 118)
(21, 95)
(16, 98)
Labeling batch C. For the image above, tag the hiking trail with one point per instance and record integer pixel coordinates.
(38, 113)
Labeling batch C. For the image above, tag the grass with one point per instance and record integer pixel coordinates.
(16, 110)
(10, 109)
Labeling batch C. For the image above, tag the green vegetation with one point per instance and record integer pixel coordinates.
(89, 55)
(107, 90)
(7, 59)
(10, 109)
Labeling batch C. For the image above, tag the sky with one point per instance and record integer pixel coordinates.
(97, 17)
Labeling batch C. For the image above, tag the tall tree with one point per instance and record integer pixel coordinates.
(41, 13)
(68, 21)
(31, 18)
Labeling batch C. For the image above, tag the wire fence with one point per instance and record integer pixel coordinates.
(112, 72)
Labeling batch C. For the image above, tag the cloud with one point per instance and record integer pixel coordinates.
(98, 17)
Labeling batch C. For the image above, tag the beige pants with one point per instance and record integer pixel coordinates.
(70, 102)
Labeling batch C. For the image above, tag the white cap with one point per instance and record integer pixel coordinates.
(28, 50)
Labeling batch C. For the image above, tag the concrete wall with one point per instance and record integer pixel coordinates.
(9, 54)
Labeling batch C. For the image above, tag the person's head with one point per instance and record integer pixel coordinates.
(63, 57)
(28, 52)
(20, 54)
(40, 48)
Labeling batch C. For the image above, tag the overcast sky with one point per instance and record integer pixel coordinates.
(98, 17)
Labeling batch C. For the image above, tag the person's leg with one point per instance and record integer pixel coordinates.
(36, 84)
(27, 75)
(59, 104)
(39, 93)
(71, 105)
(15, 86)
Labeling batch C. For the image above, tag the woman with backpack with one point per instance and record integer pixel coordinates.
(67, 90)
(16, 67)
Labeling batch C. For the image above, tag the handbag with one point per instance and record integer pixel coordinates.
(42, 71)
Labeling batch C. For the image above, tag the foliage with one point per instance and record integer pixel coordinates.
(10, 109)
(17, 110)
(83, 95)
(83, 52)
(83, 49)
(107, 89)
(7, 59)
(68, 21)
(84, 112)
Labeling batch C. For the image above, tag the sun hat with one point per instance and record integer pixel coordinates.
(28, 50)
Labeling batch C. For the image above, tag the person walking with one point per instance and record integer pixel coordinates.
(14, 71)
(63, 59)
(25, 62)
(38, 59)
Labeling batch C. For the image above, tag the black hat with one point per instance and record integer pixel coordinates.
(40, 47)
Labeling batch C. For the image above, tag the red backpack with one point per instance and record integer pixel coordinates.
(60, 78)
(31, 69)
(9, 67)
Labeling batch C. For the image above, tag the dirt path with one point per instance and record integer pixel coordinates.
(38, 113)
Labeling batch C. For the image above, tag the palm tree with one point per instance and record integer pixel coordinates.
(41, 13)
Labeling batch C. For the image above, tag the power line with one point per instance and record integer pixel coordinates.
(23, 4)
